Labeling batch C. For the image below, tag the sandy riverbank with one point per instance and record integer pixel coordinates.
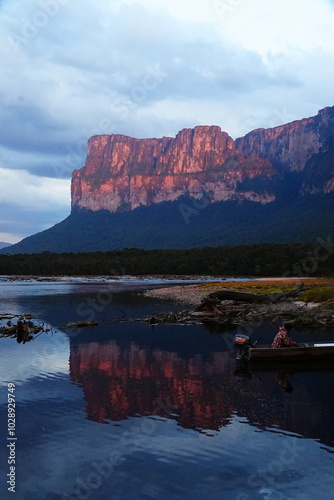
(193, 294)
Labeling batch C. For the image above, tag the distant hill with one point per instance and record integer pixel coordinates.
(4, 245)
(200, 189)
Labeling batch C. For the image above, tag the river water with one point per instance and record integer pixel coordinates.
(130, 411)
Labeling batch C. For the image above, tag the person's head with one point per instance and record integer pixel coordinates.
(288, 326)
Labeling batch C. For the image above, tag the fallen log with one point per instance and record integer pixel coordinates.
(215, 298)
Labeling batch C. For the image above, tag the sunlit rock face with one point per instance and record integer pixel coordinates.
(122, 173)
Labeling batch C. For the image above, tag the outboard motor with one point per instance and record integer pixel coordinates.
(242, 343)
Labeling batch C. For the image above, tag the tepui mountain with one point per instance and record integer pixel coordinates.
(200, 188)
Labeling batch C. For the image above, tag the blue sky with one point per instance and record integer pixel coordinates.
(71, 69)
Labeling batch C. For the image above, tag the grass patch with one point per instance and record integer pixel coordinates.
(318, 294)
(272, 285)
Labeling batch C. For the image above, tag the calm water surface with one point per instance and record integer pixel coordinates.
(127, 411)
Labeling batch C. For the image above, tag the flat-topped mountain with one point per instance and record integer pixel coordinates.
(122, 173)
(201, 188)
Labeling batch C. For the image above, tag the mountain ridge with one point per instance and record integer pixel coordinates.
(122, 173)
(201, 188)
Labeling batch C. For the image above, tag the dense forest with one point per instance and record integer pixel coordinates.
(250, 260)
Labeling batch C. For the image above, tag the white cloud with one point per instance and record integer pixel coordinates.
(196, 11)
(33, 192)
(260, 25)
(8, 237)
(87, 65)
(278, 27)
(30, 203)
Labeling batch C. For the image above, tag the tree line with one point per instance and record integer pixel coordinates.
(247, 260)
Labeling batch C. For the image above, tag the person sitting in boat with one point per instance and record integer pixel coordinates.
(282, 338)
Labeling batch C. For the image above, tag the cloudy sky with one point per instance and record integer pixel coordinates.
(71, 69)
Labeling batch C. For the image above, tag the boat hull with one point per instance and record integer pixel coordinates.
(308, 352)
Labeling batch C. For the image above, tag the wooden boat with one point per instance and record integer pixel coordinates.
(304, 352)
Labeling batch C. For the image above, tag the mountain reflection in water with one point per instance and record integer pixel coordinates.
(181, 422)
(199, 392)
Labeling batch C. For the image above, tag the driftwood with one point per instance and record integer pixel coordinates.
(79, 324)
(213, 299)
(22, 330)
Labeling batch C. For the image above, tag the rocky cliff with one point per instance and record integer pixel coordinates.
(201, 188)
(290, 146)
(122, 173)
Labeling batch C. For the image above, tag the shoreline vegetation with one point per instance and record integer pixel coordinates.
(289, 265)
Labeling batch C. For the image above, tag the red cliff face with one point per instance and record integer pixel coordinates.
(122, 173)
(137, 381)
(198, 392)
